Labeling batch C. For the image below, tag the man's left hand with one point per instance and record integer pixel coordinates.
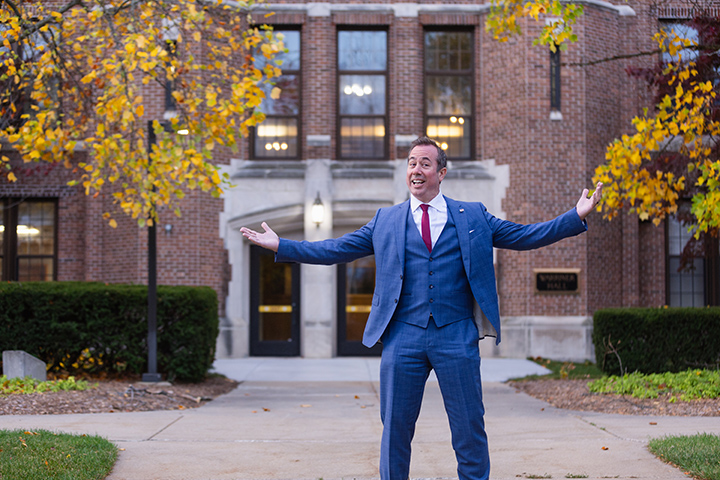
(586, 204)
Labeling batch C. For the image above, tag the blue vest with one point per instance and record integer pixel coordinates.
(433, 283)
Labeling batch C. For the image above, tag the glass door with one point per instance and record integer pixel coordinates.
(356, 283)
(274, 305)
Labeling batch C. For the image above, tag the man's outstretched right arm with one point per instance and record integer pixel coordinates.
(268, 240)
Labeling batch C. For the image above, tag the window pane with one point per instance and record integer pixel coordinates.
(289, 101)
(36, 228)
(682, 31)
(362, 50)
(555, 80)
(452, 133)
(291, 59)
(35, 269)
(449, 95)
(362, 137)
(362, 94)
(276, 138)
(686, 288)
(448, 51)
(2, 230)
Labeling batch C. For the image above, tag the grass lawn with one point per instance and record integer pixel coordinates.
(44, 455)
(696, 455)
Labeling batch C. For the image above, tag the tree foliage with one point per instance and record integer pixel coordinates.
(77, 77)
(506, 15)
(673, 153)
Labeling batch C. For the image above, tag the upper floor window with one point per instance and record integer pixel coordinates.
(15, 97)
(448, 90)
(170, 105)
(28, 247)
(684, 31)
(362, 72)
(555, 80)
(277, 136)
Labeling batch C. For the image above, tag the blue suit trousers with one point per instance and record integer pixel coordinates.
(409, 354)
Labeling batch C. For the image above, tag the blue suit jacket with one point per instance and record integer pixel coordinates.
(478, 232)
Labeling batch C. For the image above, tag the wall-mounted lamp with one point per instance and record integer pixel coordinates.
(318, 211)
(168, 229)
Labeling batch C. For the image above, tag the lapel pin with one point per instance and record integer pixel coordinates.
(462, 210)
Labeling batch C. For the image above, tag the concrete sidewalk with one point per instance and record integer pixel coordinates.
(311, 419)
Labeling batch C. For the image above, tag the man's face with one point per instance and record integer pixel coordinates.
(423, 177)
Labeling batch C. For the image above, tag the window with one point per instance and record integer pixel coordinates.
(692, 264)
(171, 48)
(555, 80)
(15, 100)
(362, 70)
(277, 136)
(28, 246)
(448, 90)
(682, 31)
(686, 286)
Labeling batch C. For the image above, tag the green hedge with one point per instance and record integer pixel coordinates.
(94, 327)
(656, 340)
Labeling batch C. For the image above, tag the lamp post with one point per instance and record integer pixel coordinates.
(152, 374)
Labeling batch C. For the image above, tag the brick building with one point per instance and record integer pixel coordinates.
(524, 130)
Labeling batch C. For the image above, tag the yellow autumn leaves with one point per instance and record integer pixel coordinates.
(681, 125)
(95, 75)
(505, 15)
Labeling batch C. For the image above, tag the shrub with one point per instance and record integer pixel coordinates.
(80, 327)
(656, 340)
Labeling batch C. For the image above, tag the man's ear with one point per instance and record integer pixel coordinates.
(442, 173)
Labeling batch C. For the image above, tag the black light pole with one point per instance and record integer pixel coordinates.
(152, 374)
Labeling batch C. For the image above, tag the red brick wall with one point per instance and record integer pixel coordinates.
(621, 262)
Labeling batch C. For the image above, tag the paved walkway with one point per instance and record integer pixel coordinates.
(312, 419)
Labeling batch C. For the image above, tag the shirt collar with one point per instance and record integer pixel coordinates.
(437, 203)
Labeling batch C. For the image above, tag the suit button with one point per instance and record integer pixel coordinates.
(401, 277)
(432, 286)
(396, 300)
(431, 272)
(431, 259)
(431, 300)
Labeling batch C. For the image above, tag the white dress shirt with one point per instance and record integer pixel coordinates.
(437, 212)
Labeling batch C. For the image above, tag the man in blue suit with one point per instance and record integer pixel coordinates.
(434, 259)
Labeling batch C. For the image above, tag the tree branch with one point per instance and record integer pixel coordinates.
(612, 59)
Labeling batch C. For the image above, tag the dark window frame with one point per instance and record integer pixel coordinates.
(385, 73)
(170, 104)
(470, 73)
(709, 260)
(9, 252)
(297, 117)
(555, 80)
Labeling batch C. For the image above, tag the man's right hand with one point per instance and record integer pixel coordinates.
(268, 240)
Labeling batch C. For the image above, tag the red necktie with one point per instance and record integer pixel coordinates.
(425, 227)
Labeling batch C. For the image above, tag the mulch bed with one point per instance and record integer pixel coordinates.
(127, 395)
(575, 395)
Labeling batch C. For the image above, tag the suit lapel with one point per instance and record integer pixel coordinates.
(457, 212)
(400, 223)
